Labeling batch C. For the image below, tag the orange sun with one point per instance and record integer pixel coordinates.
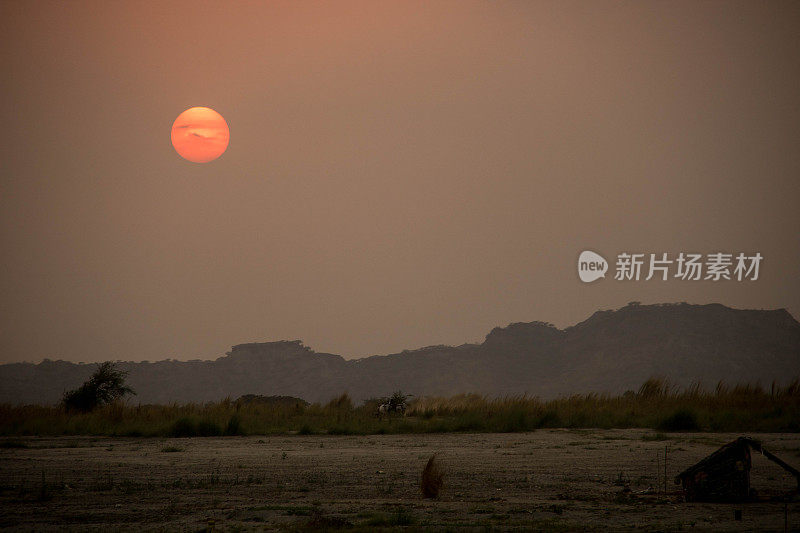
(200, 134)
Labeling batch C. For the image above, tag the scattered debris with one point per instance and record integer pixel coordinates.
(724, 476)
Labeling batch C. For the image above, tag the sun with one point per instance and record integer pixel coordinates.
(200, 134)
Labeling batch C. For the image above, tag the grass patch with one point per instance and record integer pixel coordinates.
(401, 517)
(681, 420)
(13, 443)
(654, 437)
(189, 427)
(234, 426)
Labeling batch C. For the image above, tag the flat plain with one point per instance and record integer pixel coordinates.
(544, 480)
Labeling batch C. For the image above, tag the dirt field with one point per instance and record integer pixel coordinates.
(549, 479)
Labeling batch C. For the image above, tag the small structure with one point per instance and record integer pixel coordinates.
(724, 476)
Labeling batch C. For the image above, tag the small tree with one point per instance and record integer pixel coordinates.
(397, 403)
(106, 385)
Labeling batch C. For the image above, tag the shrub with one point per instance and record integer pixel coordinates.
(341, 403)
(514, 420)
(234, 426)
(680, 420)
(208, 428)
(398, 398)
(106, 385)
(188, 427)
(549, 419)
(183, 427)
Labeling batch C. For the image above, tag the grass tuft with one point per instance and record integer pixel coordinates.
(171, 449)
(432, 478)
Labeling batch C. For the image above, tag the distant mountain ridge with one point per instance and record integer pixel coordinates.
(611, 351)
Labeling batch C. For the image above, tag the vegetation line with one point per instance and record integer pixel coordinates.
(656, 405)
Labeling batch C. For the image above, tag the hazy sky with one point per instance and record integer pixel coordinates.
(399, 174)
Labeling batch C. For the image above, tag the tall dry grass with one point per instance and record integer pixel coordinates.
(657, 404)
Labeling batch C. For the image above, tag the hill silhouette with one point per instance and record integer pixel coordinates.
(611, 351)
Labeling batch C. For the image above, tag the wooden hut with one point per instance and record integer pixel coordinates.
(724, 476)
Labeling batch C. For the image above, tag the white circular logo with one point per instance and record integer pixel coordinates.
(591, 266)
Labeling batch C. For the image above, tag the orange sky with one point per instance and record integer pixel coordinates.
(399, 175)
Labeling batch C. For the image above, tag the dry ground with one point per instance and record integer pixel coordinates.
(549, 479)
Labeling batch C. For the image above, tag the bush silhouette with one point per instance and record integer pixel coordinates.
(234, 426)
(106, 385)
(183, 427)
(208, 428)
(189, 427)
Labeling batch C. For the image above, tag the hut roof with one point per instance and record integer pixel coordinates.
(745, 444)
(742, 443)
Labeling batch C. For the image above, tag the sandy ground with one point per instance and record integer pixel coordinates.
(549, 479)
